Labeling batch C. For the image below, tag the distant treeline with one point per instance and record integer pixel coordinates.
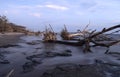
(6, 26)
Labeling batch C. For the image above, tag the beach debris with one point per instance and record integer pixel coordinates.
(93, 34)
(88, 37)
(70, 36)
(10, 73)
(49, 34)
(65, 34)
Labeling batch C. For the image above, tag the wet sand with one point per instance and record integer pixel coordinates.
(9, 38)
(33, 58)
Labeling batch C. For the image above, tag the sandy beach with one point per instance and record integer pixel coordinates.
(9, 38)
(33, 58)
(59, 38)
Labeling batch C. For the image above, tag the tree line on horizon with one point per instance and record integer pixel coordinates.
(6, 26)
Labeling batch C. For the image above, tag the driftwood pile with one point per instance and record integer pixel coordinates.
(88, 37)
(49, 34)
(65, 34)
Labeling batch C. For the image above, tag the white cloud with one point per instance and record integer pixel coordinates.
(57, 7)
(38, 15)
(52, 6)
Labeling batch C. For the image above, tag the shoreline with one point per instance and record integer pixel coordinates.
(10, 38)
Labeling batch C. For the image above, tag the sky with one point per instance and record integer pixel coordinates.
(75, 14)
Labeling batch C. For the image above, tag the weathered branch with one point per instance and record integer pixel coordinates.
(104, 30)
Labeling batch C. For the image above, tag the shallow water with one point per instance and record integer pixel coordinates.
(17, 57)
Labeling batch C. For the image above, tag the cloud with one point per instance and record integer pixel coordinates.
(38, 15)
(51, 6)
(57, 7)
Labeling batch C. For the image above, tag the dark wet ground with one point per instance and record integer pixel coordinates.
(32, 58)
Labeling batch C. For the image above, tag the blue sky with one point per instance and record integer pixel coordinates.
(76, 14)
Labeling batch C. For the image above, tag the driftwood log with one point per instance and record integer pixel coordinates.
(90, 39)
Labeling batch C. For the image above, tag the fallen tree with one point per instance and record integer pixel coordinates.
(89, 37)
(49, 34)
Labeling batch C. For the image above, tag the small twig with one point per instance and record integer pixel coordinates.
(8, 75)
(65, 27)
(86, 26)
(51, 28)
